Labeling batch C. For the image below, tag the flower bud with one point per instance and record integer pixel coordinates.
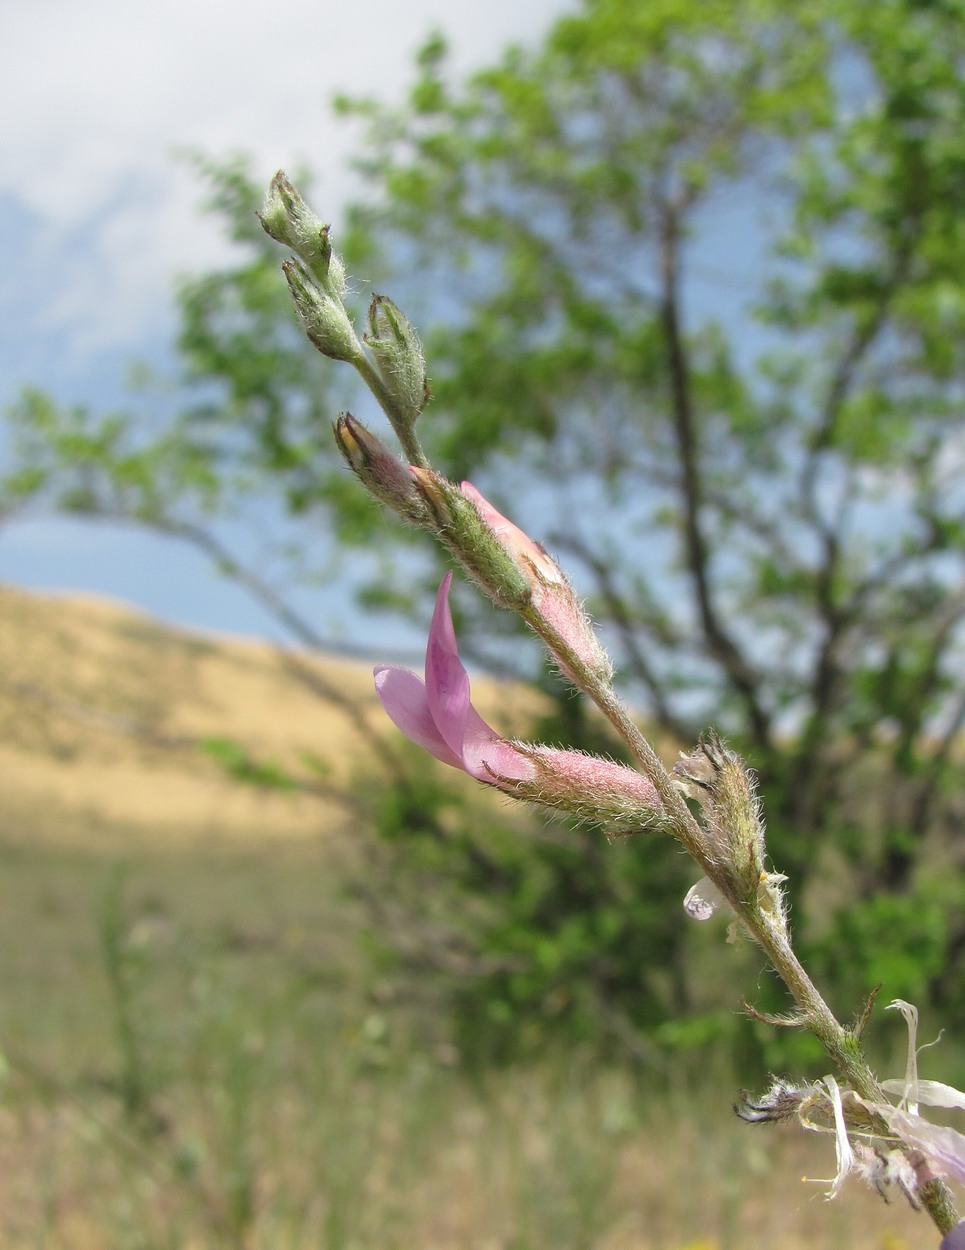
(288, 220)
(323, 319)
(553, 600)
(529, 555)
(458, 525)
(383, 475)
(398, 357)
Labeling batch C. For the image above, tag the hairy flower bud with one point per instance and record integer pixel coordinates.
(398, 357)
(323, 319)
(288, 220)
(457, 523)
(553, 600)
(531, 556)
(383, 475)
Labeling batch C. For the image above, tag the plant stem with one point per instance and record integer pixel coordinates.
(403, 427)
(841, 1045)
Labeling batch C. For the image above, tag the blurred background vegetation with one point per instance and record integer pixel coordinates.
(764, 506)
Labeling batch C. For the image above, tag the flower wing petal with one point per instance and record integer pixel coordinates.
(931, 1093)
(404, 697)
(944, 1148)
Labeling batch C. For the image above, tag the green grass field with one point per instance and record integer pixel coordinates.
(195, 1058)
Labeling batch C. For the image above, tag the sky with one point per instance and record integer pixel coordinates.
(98, 213)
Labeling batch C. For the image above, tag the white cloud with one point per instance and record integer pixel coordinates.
(98, 96)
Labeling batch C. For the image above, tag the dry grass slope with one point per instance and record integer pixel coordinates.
(103, 712)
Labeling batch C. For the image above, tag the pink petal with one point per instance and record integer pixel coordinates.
(447, 683)
(438, 714)
(486, 756)
(404, 697)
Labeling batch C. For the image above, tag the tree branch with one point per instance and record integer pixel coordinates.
(723, 648)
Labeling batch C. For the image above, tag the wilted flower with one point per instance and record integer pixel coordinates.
(437, 714)
(943, 1148)
(887, 1146)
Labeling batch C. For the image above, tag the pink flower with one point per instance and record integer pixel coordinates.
(437, 713)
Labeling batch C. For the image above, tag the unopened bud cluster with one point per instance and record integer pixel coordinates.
(395, 364)
(316, 279)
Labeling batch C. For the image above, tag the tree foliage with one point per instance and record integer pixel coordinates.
(758, 485)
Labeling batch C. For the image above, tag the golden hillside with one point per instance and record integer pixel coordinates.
(104, 712)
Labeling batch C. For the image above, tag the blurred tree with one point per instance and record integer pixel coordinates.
(759, 491)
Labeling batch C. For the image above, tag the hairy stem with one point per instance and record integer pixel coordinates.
(840, 1044)
(402, 425)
